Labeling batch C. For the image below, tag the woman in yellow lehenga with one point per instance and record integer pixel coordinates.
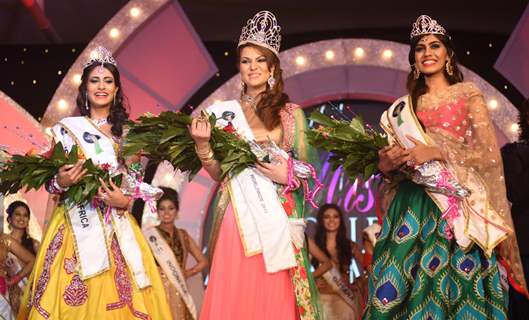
(94, 262)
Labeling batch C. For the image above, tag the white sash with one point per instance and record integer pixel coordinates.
(91, 243)
(479, 222)
(13, 267)
(334, 279)
(262, 221)
(5, 309)
(167, 260)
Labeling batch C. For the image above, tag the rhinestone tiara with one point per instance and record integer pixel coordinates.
(100, 55)
(262, 30)
(426, 25)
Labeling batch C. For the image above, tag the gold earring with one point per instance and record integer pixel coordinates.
(449, 68)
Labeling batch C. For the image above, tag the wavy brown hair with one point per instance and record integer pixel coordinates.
(273, 99)
(417, 87)
(118, 114)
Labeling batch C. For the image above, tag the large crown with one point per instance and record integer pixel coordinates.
(262, 30)
(426, 25)
(100, 55)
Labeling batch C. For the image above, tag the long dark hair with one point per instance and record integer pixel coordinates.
(118, 111)
(27, 242)
(273, 99)
(171, 195)
(523, 118)
(343, 244)
(417, 87)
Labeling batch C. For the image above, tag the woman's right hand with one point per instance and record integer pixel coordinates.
(200, 131)
(70, 174)
(391, 158)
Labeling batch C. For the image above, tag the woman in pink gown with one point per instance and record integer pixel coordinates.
(241, 285)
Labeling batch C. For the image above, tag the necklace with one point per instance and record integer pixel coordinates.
(249, 100)
(100, 122)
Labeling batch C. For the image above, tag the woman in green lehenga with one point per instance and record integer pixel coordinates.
(419, 269)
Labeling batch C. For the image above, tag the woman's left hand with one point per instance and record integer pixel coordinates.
(421, 153)
(277, 172)
(112, 196)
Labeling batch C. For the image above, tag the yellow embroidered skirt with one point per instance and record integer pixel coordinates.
(55, 290)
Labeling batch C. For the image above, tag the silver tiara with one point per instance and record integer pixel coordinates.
(426, 25)
(262, 30)
(100, 55)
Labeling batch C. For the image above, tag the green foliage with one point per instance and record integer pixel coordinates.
(167, 137)
(351, 144)
(32, 172)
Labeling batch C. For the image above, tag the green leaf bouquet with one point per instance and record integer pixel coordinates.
(352, 145)
(34, 171)
(167, 137)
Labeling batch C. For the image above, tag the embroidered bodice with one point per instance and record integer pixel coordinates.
(175, 244)
(449, 116)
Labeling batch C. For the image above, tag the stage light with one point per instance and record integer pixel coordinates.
(359, 52)
(468, 52)
(76, 79)
(493, 104)
(300, 61)
(505, 87)
(226, 53)
(514, 128)
(34, 82)
(114, 33)
(387, 54)
(135, 12)
(59, 72)
(62, 104)
(329, 55)
(12, 83)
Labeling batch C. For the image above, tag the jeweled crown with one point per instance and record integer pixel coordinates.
(426, 25)
(262, 30)
(100, 55)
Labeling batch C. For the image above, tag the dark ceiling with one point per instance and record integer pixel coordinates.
(77, 21)
(33, 66)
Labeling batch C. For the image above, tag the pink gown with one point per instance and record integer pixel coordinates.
(239, 287)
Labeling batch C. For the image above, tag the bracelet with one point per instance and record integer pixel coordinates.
(209, 162)
(205, 156)
(54, 187)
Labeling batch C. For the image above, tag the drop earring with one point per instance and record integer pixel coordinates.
(271, 81)
(86, 102)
